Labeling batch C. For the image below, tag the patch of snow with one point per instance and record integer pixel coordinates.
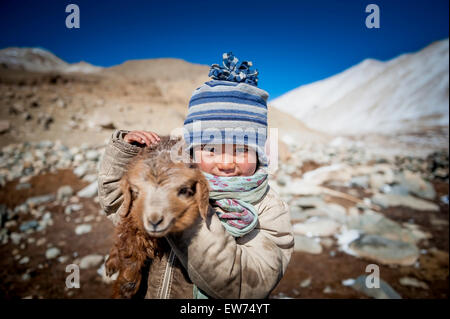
(345, 237)
(409, 91)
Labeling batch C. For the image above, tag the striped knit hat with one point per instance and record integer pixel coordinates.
(229, 109)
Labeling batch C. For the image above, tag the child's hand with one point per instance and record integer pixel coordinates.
(142, 137)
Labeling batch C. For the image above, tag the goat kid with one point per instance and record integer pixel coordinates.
(160, 196)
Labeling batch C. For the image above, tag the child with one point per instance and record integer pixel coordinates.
(244, 246)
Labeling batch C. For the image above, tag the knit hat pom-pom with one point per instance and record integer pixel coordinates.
(231, 72)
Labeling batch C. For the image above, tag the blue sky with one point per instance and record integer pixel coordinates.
(290, 42)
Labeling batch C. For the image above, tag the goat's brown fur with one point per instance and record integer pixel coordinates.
(160, 196)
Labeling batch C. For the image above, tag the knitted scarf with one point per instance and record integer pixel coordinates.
(235, 195)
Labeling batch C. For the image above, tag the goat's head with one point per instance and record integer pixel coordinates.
(163, 196)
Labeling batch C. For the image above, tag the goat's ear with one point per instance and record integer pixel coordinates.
(126, 191)
(202, 196)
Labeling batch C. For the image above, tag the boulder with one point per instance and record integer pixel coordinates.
(316, 226)
(83, 229)
(64, 192)
(374, 223)
(416, 185)
(16, 108)
(297, 187)
(360, 181)
(81, 170)
(92, 155)
(306, 283)
(52, 253)
(413, 282)
(385, 251)
(90, 261)
(4, 126)
(60, 103)
(384, 291)
(307, 245)
(89, 191)
(390, 200)
(395, 189)
(38, 200)
(16, 238)
(31, 224)
(336, 172)
(335, 211)
(308, 201)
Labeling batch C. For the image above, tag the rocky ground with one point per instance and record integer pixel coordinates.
(353, 203)
(349, 209)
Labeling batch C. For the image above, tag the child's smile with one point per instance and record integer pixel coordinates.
(226, 160)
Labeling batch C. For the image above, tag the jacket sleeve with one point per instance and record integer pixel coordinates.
(117, 156)
(246, 267)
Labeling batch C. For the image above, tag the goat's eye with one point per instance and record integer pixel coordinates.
(134, 192)
(186, 191)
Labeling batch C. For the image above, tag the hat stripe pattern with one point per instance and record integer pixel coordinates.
(227, 112)
(228, 118)
(225, 83)
(230, 107)
(227, 96)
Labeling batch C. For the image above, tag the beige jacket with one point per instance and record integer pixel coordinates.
(219, 264)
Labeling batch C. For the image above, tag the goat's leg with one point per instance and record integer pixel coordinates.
(129, 279)
(116, 287)
(112, 264)
(125, 288)
(132, 256)
(129, 255)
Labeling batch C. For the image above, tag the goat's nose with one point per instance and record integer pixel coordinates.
(155, 220)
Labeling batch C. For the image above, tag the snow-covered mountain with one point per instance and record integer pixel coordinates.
(407, 94)
(40, 60)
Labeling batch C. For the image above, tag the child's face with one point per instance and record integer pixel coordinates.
(226, 160)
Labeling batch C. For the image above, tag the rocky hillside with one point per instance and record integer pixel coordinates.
(40, 60)
(408, 94)
(43, 97)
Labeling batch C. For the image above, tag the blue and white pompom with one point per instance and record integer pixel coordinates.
(231, 72)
